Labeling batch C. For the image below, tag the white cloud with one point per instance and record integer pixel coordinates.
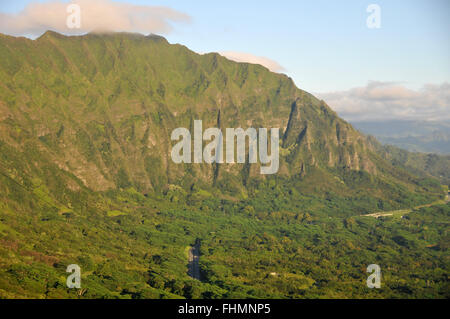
(250, 58)
(387, 100)
(103, 15)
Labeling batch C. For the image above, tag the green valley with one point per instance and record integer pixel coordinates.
(86, 178)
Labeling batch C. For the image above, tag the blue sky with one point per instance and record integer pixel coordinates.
(324, 45)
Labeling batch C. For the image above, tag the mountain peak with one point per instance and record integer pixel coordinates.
(106, 34)
(51, 34)
(125, 95)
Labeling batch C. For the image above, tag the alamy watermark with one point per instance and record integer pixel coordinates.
(73, 20)
(214, 151)
(374, 19)
(74, 280)
(374, 280)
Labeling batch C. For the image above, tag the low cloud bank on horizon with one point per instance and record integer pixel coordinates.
(391, 101)
(250, 58)
(96, 15)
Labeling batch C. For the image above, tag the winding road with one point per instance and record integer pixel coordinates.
(194, 255)
(402, 212)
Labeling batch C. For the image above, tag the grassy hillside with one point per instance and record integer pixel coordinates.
(431, 165)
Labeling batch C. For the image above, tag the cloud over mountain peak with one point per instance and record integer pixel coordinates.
(105, 15)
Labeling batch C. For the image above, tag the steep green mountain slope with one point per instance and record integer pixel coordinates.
(102, 108)
(435, 165)
(420, 164)
(86, 177)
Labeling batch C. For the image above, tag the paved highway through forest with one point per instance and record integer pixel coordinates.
(194, 255)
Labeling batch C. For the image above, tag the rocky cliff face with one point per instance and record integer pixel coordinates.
(99, 110)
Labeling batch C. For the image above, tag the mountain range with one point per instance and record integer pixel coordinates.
(413, 136)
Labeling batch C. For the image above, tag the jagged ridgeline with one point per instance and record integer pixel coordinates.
(95, 113)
